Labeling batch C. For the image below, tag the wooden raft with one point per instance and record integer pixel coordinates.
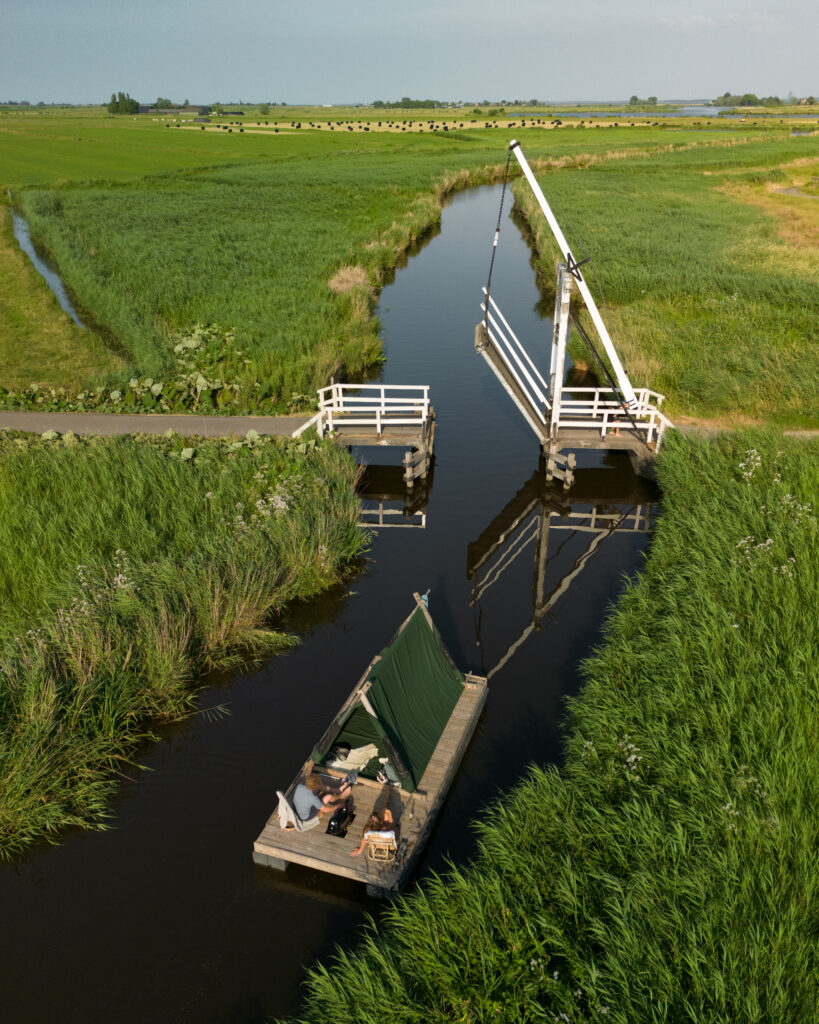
(415, 813)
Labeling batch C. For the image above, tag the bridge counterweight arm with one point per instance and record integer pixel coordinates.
(574, 268)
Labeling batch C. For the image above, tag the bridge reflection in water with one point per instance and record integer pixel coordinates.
(560, 531)
(386, 501)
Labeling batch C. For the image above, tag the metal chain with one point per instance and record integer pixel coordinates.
(634, 429)
(495, 242)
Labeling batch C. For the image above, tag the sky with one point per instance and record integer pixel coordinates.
(208, 51)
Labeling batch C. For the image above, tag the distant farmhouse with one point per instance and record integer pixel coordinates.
(168, 111)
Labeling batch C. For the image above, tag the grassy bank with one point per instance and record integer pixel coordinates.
(131, 565)
(251, 231)
(667, 872)
(711, 277)
(39, 344)
(257, 248)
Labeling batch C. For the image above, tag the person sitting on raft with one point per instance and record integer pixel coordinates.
(379, 826)
(313, 796)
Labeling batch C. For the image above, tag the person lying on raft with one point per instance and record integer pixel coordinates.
(313, 795)
(379, 826)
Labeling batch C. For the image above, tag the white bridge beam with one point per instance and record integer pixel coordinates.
(574, 269)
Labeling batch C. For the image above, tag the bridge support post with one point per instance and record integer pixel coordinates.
(560, 333)
(559, 466)
(419, 458)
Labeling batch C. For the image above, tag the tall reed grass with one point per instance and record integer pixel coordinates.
(667, 872)
(132, 565)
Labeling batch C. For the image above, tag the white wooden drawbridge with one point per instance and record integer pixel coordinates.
(365, 415)
(564, 417)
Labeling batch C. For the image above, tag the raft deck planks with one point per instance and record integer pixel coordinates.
(276, 847)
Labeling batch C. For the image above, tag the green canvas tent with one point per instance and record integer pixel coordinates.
(403, 702)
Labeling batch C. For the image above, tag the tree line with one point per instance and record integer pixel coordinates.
(405, 103)
(749, 99)
(121, 103)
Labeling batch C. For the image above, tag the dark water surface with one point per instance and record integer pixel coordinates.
(164, 918)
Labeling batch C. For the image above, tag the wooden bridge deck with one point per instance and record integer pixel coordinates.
(414, 813)
(366, 436)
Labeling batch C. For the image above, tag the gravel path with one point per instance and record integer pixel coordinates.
(109, 424)
(148, 423)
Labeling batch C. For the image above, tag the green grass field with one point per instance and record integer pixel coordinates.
(667, 871)
(709, 301)
(157, 229)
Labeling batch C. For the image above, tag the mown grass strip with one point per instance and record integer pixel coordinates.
(38, 344)
(667, 871)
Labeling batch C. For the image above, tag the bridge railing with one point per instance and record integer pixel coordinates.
(373, 406)
(601, 409)
(638, 520)
(517, 359)
(380, 516)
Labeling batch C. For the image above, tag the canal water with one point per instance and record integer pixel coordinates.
(43, 266)
(164, 917)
